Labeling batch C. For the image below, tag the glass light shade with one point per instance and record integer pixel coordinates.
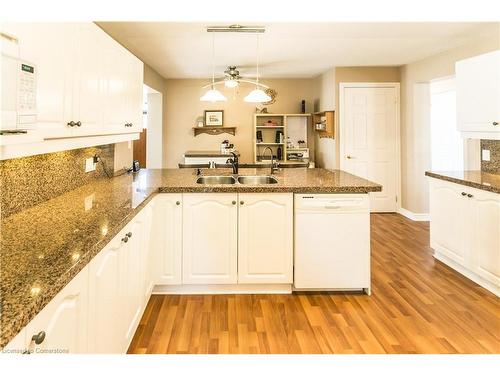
(230, 83)
(257, 96)
(213, 95)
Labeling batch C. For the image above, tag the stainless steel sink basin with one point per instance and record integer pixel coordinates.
(257, 180)
(216, 180)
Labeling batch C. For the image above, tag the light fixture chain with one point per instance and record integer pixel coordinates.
(213, 60)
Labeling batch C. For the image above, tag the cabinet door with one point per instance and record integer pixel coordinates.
(51, 48)
(64, 320)
(485, 251)
(133, 301)
(166, 239)
(135, 93)
(478, 93)
(450, 220)
(265, 238)
(106, 280)
(116, 88)
(209, 238)
(88, 80)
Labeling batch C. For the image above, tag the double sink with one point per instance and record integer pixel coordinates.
(230, 180)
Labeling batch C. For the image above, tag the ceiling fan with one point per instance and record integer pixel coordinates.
(232, 79)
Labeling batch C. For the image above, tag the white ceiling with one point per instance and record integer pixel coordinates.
(183, 50)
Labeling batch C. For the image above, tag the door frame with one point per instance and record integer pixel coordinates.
(394, 85)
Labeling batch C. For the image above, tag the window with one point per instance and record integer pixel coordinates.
(447, 145)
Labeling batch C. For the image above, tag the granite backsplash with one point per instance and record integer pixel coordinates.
(492, 166)
(26, 182)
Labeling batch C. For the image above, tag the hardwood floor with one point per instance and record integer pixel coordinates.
(418, 305)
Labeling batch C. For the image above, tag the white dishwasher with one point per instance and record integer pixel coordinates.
(332, 242)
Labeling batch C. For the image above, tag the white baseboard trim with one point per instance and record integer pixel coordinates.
(412, 215)
(224, 289)
(495, 289)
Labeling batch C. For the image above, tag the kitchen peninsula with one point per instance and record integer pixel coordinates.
(77, 240)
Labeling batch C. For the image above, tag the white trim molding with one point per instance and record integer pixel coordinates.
(412, 215)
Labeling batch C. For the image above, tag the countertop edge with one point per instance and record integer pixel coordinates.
(473, 184)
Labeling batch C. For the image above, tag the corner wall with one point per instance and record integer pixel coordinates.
(415, 136)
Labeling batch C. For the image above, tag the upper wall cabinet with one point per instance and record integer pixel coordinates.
(478, 96)
(87, 83)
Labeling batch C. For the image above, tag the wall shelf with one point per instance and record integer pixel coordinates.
(214, 130)
(328, 121)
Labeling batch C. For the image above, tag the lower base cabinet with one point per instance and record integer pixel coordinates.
(61, 327)
(465, 231)
(209, 237)
(265, 238)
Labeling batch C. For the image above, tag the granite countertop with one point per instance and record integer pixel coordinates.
(45, 246)
(475, 179)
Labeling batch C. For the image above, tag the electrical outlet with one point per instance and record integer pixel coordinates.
(485, 155)
(89, 165)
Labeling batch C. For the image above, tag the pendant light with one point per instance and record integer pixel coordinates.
(257, 95)
(213, 95)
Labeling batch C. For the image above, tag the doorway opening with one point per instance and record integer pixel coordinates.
(148, 149)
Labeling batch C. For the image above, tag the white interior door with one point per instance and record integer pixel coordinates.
(369, 140)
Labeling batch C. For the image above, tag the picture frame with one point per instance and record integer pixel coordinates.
(214, 118)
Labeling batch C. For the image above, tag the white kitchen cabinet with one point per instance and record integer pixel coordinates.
(106, 298)
(485, 258)
(166, 241)
(134, 282)
(448, 227)
(265, 238)
(210, 225)
(478, 96)
(465, 231)
(63, 322)
(87, 83)
(88, 92)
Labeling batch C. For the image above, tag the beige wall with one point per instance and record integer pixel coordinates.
(415, 134)
(324, 88)
(183, 106)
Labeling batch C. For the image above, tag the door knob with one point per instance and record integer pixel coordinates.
(464, 193)
(469, 195)
(349, 157)
(129, 234)
(233, 202)
(178, 203)
(71, 123)
(78, 123)
(242, 202)
(125, 239)
(495, 123)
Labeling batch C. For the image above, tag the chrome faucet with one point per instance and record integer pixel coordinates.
(274, 166)
(234, 162)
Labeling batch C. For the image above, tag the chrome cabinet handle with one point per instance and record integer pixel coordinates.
(129, 234)
(38, 338)
(495, 123)
(464, 193)
(469, 195)
(125, 239)
(71, 123)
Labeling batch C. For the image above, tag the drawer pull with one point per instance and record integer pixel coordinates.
(129, 234)
(38, 338)
(242, 202)
(233, 202)
(495, 123)
(71, 123)
(78, 123)
(178, 203)
(469, 195)
(464, 193)
(125, 239)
